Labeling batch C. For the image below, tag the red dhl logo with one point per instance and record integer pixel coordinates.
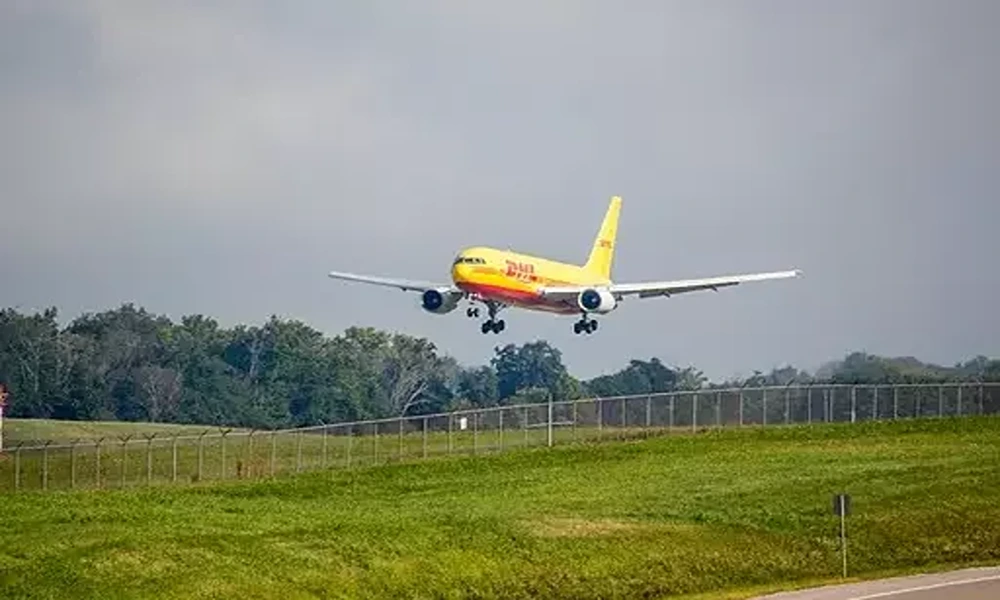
(520, 270)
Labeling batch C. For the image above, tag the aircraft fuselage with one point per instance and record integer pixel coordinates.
(514, 279)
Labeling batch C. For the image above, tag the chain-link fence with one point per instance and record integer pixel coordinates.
(226, 454)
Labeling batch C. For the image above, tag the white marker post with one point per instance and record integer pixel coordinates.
(841, 507)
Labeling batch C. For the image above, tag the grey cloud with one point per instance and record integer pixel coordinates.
(220, 158)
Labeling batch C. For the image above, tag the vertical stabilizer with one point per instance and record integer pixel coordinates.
(603, 252)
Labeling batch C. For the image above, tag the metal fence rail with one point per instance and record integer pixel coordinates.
(227, 454)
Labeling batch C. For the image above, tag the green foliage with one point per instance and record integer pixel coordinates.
(639, 377)
(718, 513)
(128, 364)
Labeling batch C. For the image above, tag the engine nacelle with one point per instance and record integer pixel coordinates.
(440, 301)
(599, 301)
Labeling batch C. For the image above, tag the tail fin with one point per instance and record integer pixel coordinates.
(603, 252)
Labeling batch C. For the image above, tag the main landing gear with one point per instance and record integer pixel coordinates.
(585, 325)
(492, 323)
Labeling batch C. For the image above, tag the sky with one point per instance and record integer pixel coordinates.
(221, 157)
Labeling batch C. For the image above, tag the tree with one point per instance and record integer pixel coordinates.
(127, 363)
(535, 364)
(639, 377)
(478, 386)
(161, 392)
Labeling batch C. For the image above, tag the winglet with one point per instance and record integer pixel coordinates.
(603, 251)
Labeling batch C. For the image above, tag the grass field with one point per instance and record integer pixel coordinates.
(719, 514)
(243, 454)
(38, 431)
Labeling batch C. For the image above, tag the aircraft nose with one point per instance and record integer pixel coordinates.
(460, 272)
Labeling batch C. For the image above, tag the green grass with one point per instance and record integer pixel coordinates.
(38, 431)
(717, 514)
(243, 454)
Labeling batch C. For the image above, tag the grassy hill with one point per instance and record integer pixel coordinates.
(718, 513)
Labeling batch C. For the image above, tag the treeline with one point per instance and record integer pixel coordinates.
(129, 364)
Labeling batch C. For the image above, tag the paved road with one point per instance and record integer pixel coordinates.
(967, 584)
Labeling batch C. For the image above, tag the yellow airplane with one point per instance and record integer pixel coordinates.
(501, 278)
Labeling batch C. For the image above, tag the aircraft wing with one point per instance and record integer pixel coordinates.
(669, 288)
(407, 285)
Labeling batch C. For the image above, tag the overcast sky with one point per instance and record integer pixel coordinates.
(221, 157)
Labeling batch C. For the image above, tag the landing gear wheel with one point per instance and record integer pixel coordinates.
(494, 326)
(584, 326)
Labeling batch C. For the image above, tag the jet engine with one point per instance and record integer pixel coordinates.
(440, 301)
(599, 301)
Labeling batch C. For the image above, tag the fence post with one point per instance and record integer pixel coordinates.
(809, 404)
(600, 418)
(201, 454)
(173, 459)
(624, 417)
(17, 465)
(400, 439)
(475, 432)
(670, 427)
(788, 406)
(854, 403)
(694, 412)
(649, 411)
(425, 434)
(274, 451)
(499, 418)
(124, 456)
(149, 458)
(959, 399)
(375, 443)
(895, 402)
(97, 464)
(551, 400)
(45, 465)
(223, 466)
(940, 401)
(72, 463)
(875, 404)
(550, 421)
(524, 425)
(298, 450)
(718, 409)
(741, 407)
(250, 460)
(323, 462)
(350, 442)
(763, 416)
(576, 415)
(451, 420)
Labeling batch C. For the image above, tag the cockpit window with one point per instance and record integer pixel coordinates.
(472, 260)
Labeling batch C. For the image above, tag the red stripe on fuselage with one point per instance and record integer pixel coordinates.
(515, 297)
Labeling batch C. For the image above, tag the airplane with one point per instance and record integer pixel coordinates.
(500, 279)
